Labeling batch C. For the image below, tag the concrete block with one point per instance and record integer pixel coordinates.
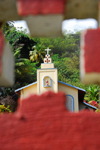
(90, 56)
(8, 10)
(44, 18)
(81, 9)
(6, 64)
(45, 25)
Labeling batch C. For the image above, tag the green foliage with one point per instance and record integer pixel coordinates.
(38, 53)
(98, 110)
(55, 57)
(17, 39)
(65, 55)
(65, 45)
(25, 72)
(4, 109)
(6, 91)
(92, 93)
(21, 44)
(67, 68)
(94, 103)
(7, 27)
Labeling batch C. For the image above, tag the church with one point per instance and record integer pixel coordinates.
(47, 79)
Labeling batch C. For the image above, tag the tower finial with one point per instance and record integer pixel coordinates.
(48, 50)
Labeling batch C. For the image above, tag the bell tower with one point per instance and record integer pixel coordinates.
(47, 76)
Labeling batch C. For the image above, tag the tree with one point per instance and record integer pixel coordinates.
(92, 93)
(66, 71)
(6, 28)
(21, 44)
(65, 45)
(20, 39)
(38, 53)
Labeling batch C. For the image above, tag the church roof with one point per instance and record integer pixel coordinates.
(90, 105)
(71, 86)
(58, 82)
(25, 86)
(81, 92)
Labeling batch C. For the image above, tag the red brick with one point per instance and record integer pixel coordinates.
(34, 7)
(1, 48)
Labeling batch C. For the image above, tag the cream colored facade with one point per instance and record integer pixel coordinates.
(28, 90)
(70, 91)
(66, 88)
(47, 74)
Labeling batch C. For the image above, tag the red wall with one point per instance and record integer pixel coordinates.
(35, 7)
(92, 51)
(43, 123)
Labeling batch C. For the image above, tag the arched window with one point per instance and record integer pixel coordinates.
(46, 81)
(70, 103)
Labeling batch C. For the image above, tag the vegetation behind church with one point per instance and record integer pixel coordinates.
(65, 53)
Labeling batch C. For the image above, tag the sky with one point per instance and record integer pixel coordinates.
(73, 24)
(22, 24)
(70, 25)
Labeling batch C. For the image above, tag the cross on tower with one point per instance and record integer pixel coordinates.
(47, 50)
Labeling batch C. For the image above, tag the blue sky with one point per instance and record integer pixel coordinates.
(70, 25)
